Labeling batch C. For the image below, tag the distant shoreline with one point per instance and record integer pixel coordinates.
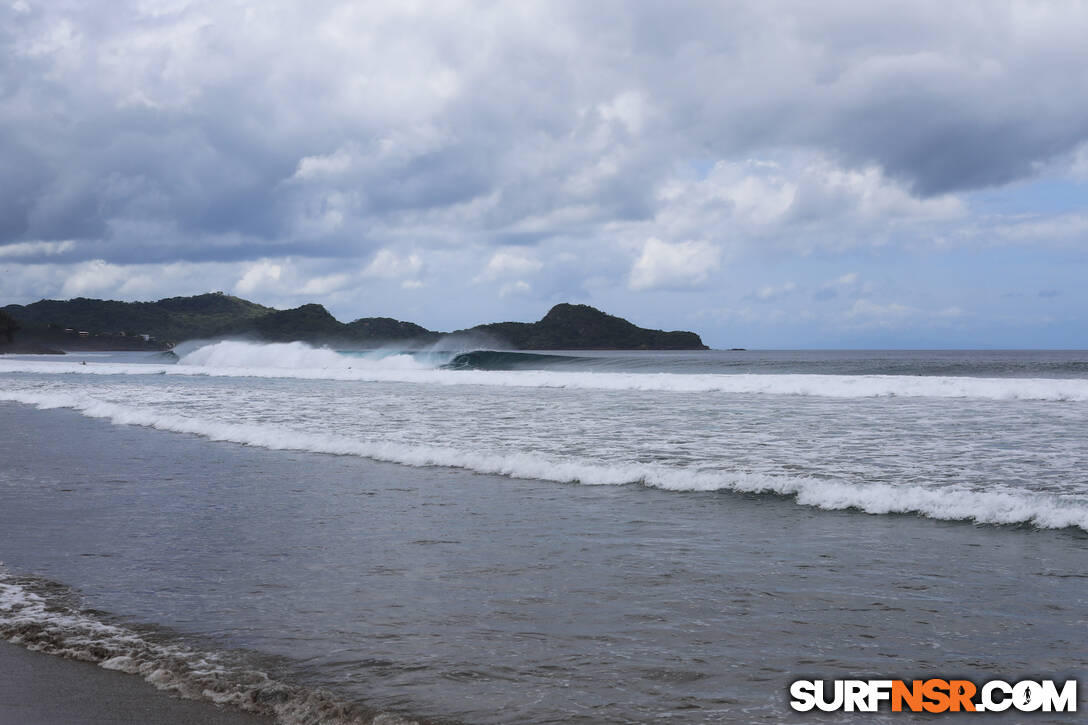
(92, 323)
(29, 348)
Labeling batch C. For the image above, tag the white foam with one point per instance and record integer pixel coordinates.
(44, 625)
(287, 355)
(234, 355)
(300, 361)
(955, 503)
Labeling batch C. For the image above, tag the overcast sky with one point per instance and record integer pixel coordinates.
(819, 174)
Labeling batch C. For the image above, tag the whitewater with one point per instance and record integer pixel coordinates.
(300, 361)
(990, 450)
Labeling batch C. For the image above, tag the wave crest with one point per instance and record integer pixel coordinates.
(236, 355)
(506, 360)
(1048, 511)
(300, 361)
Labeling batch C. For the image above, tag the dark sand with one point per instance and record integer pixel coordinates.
(39, 689)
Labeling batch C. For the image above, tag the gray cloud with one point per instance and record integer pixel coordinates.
(574, 114)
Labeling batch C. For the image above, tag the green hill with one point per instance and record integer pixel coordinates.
(83, 323)
(381, 329)
(174, 318)
(581, 327)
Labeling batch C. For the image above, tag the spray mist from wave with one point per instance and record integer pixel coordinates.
(237, 354)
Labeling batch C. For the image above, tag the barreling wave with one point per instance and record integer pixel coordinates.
(38, 615)
(300, 361)
(1042, 510)
(506, 360)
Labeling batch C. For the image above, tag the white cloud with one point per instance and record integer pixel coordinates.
(681, 264)
(259, 277)
(749, 315)
(516, 287)
(324, 285)
(93, 277)
(30, 249)
(869, 313)
(100, 278)
(772, 292)
(849, 285)
(628, 108)
(505, 264)
(387, 264)
(1078, 163)
(338, 162)
(1057, 229)
(799, 202)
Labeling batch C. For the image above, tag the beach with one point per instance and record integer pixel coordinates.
(37, 689)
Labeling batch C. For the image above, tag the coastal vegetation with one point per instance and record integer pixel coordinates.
(581, 327)
(8, 327)
(83, 323)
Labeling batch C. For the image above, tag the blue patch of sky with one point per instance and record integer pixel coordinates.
(999, 297)
(1040, 196)
(700, 168)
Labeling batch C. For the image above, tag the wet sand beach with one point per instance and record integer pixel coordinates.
(38, 689)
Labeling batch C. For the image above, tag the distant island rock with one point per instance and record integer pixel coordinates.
(84, 324)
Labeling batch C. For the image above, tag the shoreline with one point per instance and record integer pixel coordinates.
(45, 689)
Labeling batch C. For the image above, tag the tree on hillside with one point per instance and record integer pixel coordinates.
(8, 326)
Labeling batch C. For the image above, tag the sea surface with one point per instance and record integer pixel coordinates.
(477, 536)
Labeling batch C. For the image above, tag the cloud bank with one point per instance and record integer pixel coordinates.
(608, 152)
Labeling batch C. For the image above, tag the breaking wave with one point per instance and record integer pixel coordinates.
(506, 360)
(1042, 510)
(288, 356)
(300, 361)
(40, 616)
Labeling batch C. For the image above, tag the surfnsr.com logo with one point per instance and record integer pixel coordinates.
(933, 695)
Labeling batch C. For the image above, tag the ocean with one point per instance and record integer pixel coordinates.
(564, 537)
